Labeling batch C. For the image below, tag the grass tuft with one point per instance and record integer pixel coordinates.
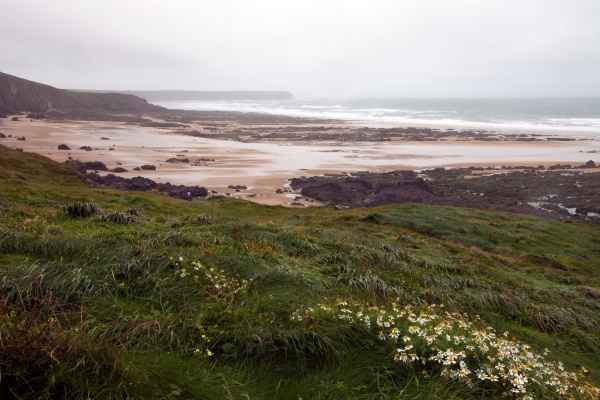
(80, 209)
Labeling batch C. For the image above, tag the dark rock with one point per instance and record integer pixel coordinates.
(555, 194)
(237, 187)
(118, 170)
(148, 167)
(14, 119)
(83, 166)
(590, 164)
(2, 135)
(63, 147)
(104, 138)
(182, 191)
(139, 183)
(366, 190)
(86, 148)
(559, 166)
(36, 115)
(178, 160)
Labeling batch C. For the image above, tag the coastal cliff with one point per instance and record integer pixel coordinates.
(19, 95)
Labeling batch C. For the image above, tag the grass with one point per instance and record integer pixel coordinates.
(102, 307)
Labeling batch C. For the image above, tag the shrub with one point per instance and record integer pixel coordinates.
(373, 285)
(42, 359)
(203, 220)
(119, 218)
(80, 209)
(374, 218)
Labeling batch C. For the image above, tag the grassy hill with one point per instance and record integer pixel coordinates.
(107, 294)
(18, 94)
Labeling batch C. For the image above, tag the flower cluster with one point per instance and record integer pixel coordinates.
(204, 351)
(220, 285)
(430, 338)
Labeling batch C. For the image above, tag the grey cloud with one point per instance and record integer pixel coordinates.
(314, 48)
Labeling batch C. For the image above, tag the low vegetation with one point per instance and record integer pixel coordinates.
(153, 297)
(80, 209)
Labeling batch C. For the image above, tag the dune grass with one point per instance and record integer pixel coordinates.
(122, 302)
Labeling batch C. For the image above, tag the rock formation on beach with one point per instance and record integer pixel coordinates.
(142, 184)
(549, 192)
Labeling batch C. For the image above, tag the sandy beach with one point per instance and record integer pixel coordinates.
(266, 166)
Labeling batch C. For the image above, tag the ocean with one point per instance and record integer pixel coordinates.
(564, 116)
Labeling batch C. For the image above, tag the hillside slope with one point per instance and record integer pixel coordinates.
(21, 95)
(108, 294)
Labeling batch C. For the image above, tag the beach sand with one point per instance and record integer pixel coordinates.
(265, 167)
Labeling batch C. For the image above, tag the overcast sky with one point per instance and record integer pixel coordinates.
(328, 48)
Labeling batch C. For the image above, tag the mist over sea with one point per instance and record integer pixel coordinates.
(565, 116)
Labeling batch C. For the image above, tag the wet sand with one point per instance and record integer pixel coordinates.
(262, 166)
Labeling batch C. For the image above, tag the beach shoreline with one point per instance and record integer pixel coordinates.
(264, 165)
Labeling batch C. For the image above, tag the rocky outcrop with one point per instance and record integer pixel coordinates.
(118, 170)
(19, 95)
(237, 187)
(63, 147)
(176, 160)
(84, 166)
(366, 190)
(564, 194)
(142, 184)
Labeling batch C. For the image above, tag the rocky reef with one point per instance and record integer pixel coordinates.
(568, 192)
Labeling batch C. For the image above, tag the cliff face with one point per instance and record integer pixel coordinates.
(17, 94)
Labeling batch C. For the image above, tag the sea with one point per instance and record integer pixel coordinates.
(553, 116)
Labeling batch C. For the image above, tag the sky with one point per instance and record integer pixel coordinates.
(324, 48)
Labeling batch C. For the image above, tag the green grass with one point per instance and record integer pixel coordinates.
(99, 304)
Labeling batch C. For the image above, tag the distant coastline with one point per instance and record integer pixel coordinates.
(575, 117)
(203, 95)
